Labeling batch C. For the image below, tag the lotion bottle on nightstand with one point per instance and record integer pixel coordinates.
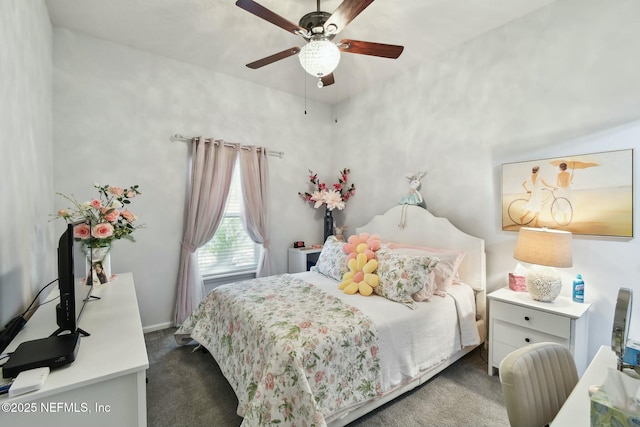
(578, 289)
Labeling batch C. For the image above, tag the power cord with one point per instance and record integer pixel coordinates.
(36, 297)
(14, 326)
(10, 330)
(44, 303)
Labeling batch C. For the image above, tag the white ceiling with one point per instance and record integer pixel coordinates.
(218, 35)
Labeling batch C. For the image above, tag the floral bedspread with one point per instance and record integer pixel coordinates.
(291, 352)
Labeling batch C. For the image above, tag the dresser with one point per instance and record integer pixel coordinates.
(517, 320)
(106, 384)
(301, 259)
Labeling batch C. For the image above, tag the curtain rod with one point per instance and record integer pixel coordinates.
(178, 137)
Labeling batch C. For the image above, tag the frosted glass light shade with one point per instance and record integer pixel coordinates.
(319, 57)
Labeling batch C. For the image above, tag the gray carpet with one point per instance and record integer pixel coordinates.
(186, 388)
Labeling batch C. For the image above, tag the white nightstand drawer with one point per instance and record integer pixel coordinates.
(499, 352)
(546, 323)
(517, 336)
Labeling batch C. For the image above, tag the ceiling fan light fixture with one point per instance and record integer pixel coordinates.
(319, 57)
(331, 29)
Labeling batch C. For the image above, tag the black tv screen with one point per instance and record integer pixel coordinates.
(74, 284)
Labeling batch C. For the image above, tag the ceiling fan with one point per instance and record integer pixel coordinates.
(320, 57)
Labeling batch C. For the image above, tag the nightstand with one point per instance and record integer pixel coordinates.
(302, 259)
(516, 320)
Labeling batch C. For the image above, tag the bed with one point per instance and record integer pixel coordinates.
(298, 351)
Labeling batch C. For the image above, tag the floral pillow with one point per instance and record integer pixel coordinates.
(402, 275)
(332, 261)
(446, 272)
(428, 289)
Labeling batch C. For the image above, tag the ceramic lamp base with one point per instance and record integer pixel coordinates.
(543, 283)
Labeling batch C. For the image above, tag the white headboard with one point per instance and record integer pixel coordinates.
(422, 228)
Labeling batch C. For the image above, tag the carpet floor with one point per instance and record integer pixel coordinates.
(187, 388)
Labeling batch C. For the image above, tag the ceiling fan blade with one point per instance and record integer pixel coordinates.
(344, 14)
(328, 80)
(370, 48)
(266, 14)
(273, 58)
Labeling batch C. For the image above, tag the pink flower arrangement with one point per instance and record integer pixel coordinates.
(108, 214)
(334, 196)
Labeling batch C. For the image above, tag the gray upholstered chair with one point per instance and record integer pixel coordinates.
(536, 380)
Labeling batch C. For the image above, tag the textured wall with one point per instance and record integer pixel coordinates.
(114, 111)
(560, 81)
(27, 247)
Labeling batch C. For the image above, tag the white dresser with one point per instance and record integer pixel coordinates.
(106, 384)
(516, 320)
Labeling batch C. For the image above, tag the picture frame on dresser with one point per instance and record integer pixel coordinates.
(517, 320)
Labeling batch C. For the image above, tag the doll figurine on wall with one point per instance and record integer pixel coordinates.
(414, 197)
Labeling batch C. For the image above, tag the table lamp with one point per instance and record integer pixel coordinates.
(545, 249)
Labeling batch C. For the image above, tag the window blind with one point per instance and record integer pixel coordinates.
(231, 250)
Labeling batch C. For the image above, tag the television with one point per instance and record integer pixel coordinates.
(61, 347)
(75, 290)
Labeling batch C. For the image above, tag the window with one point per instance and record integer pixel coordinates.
(231, 250)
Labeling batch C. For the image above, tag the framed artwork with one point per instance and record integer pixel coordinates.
(585, 194)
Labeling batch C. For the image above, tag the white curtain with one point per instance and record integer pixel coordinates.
(254, 175)
(211, 171)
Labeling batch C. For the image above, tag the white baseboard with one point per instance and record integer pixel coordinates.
(157, 327)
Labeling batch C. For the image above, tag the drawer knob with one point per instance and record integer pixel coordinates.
(526, 318)
(527, 340)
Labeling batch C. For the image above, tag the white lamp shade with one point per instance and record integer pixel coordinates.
(319, 57)
(544, 247)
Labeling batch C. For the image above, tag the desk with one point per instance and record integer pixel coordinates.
(106, 384)
(576, 410)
